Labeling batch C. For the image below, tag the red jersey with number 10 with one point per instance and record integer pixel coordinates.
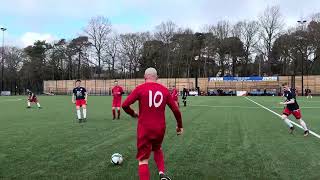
(153, 98)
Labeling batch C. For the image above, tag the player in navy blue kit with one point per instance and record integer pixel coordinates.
(80, 97)
(184, 96)
(293, 108)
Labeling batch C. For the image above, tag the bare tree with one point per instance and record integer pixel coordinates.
(182, 47)
(14, 61)
(165, 32)
(98, 30)
(315, 17)
(122, 65)
(271, 23)
(237, 29)
(131, 45)
(222, 29)
(112, 51)
(206, 28)
(247, 31)
(80, 45)
(14, 58)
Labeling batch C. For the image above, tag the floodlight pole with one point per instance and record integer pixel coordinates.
(2, 57)
(199, 37)
(301, 23)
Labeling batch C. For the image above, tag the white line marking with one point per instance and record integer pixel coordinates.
(11, 100)
(308, 101)
(310, 107)
(311, 132)
(245, 107)
(225, 106)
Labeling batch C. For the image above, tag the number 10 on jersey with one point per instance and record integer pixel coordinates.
(152, 99)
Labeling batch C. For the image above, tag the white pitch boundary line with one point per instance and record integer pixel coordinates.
(245, 107)
(311, 132)
(224, 106)
(306, 100)
(11, 100)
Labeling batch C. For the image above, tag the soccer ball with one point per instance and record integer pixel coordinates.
(116, 159)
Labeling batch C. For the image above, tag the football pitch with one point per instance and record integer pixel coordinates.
(225, 138)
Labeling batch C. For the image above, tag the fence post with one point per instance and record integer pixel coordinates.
(85, 85)
(110, 88)
(66, 86)
(125, 84)
(95, 86)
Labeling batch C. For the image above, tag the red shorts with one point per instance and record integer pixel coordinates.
(33, 100)
(116, 103)
(81, 102)
(148, 143)
(295, 113)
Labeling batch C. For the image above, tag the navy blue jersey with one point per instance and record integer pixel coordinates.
(80, 93)
(184, 93)
(289, 95)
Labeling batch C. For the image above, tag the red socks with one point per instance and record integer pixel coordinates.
(119, 114)
(114, 113)
(158, 158)
(144, 173)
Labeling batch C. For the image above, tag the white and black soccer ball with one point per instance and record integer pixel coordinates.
(116, 159)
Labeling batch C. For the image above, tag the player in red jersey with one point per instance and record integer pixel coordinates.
(80, 98)
(32, 98)
(152, 98)
(117, 93)
(175, 94)
(293, 108)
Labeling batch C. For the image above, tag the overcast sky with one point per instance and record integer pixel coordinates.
(29, 20)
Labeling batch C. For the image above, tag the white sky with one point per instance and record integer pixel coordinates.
(28, 20)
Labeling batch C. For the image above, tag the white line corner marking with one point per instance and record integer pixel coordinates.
(311, 132)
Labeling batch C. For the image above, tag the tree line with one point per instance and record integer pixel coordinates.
(262, 47)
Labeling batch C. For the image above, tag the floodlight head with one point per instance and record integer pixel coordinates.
(302, 22)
